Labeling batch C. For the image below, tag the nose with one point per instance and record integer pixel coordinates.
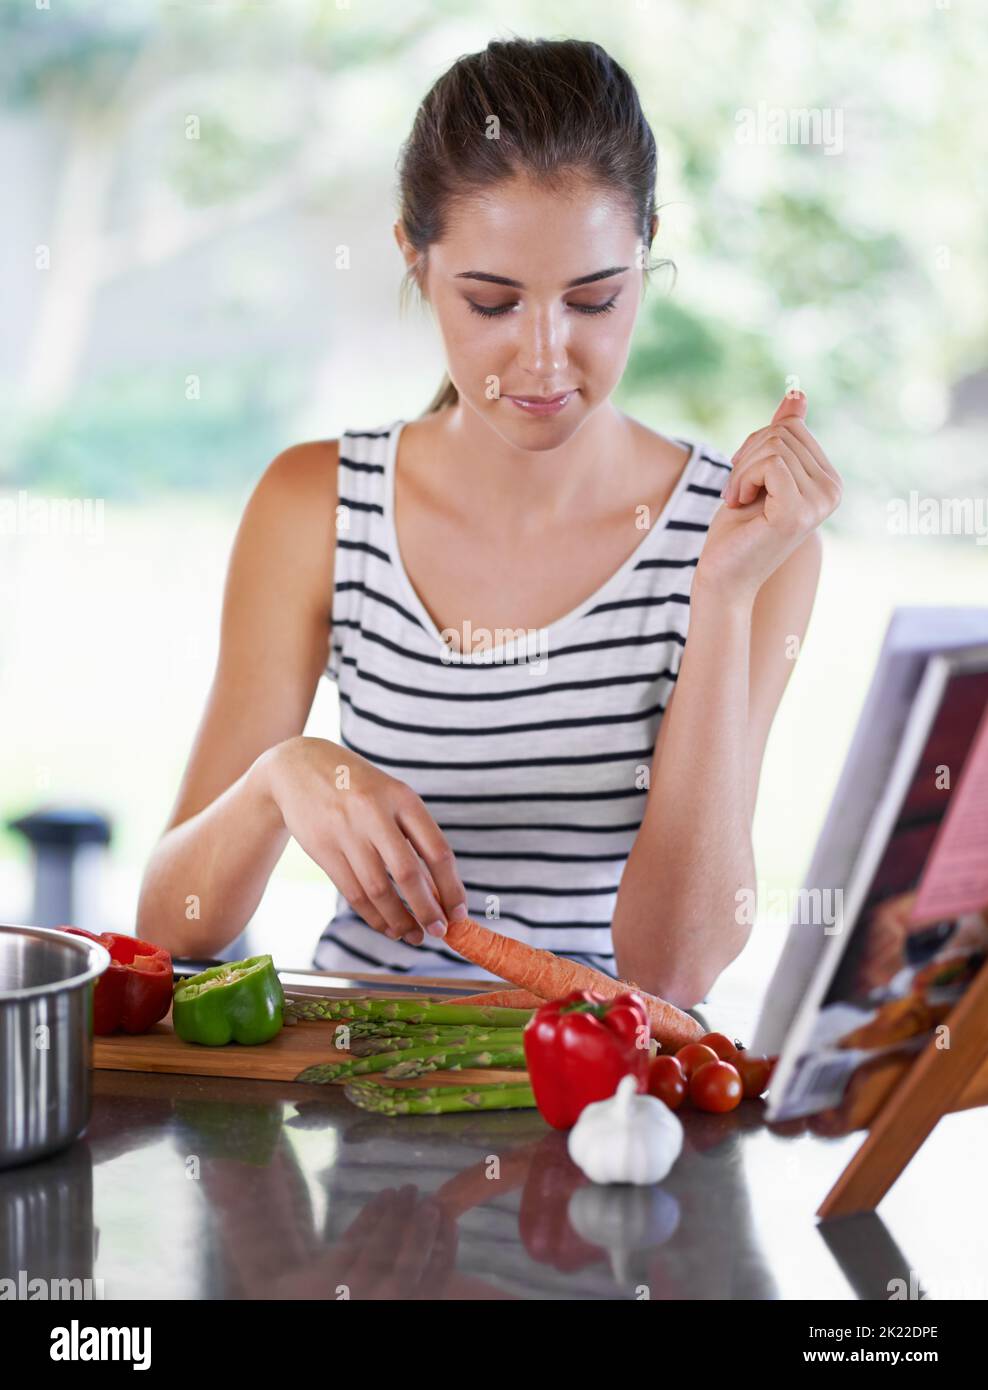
(542, 344)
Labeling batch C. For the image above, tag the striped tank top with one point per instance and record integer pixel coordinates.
(533, 755)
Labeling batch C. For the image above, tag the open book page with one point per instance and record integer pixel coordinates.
(913, 941)
(913, 634)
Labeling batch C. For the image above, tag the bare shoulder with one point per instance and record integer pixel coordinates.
(297, 494)
(303, 472)
(287, 536)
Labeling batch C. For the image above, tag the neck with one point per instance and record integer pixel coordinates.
(531, 487)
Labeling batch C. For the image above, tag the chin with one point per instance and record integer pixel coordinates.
(535, 434)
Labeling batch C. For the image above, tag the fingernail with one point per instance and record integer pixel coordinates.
(459, 913)
(436, 928)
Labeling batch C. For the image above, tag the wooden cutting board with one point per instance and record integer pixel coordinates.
(296, 1047)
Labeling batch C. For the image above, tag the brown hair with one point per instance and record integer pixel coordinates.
(560, 107)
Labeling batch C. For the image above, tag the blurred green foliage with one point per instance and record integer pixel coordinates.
(856, 272)
(133, 434)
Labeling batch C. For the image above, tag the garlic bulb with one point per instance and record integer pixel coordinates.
(628, 1138)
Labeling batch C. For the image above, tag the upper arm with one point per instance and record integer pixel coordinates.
(275, 630)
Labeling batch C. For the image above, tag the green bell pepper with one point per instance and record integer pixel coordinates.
(240, 1001)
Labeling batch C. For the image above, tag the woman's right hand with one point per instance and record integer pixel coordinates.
(360, 825)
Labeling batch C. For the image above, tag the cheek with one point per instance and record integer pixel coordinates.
(606, 344)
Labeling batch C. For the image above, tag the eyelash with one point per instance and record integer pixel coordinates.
(497, 312)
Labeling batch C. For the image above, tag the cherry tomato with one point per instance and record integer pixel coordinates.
(716, 1087)
(722, 1045)
(667, 1081)
(755, 1073)
(694, 1056)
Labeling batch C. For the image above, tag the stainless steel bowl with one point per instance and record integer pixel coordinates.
(46, 986)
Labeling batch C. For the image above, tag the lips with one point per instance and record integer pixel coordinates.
(540, 400)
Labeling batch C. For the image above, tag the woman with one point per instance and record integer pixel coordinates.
(503, 592)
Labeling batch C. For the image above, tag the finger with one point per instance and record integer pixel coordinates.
(410, 878)
(751, 446)
(373, 1266)
(783, 500)
(346, 881)
(439, 859)
(822, 489)
(804, 480)
(377, 890)
(799, 430)
(771, 441)
(791, 407)
(442, 1257)
(415, 1246)
(754, 475)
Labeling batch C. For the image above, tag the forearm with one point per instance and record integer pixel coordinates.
(207, 875)
(675, 926)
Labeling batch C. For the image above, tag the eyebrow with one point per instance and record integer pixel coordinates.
(517, 284)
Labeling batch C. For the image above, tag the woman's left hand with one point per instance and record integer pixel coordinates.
(781, 487)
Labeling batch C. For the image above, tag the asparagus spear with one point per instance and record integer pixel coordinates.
(399, 1028)
(441, 1054)
(439, 1100)
(361, 1046)
(455, 1060)
(408, 1011)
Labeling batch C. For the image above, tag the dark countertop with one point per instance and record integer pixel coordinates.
(197, 1188)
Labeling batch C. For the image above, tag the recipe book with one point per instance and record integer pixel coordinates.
(913, 928)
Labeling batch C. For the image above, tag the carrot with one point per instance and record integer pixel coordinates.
(502, 999)
(550, 977)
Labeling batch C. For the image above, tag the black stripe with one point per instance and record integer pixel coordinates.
(444, 953)
(445, 731)
(703, 491)
(361, 588)
(489, 826)
(362, 955)
(368, 434)
(359, 467)
(541, 858)
(595, 684)
(592, 960)
(647, 601)
(346, 915)
(606, 644)
(547, 926)
(666, 564)
(688, 526)
(516, 890)
(574, 760)
(502, 797)
(360, 506)
(362, 545)
(716, 462)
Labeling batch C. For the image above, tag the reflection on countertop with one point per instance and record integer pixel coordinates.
(203, 1188)
(196, 1188)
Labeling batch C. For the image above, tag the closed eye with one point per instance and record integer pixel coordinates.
(498, 310)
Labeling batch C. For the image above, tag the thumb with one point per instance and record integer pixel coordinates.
(792, 406)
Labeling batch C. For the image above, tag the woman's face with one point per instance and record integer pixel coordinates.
(542, 334)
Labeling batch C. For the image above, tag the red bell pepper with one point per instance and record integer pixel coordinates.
(578, 1048)
(136, 990)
